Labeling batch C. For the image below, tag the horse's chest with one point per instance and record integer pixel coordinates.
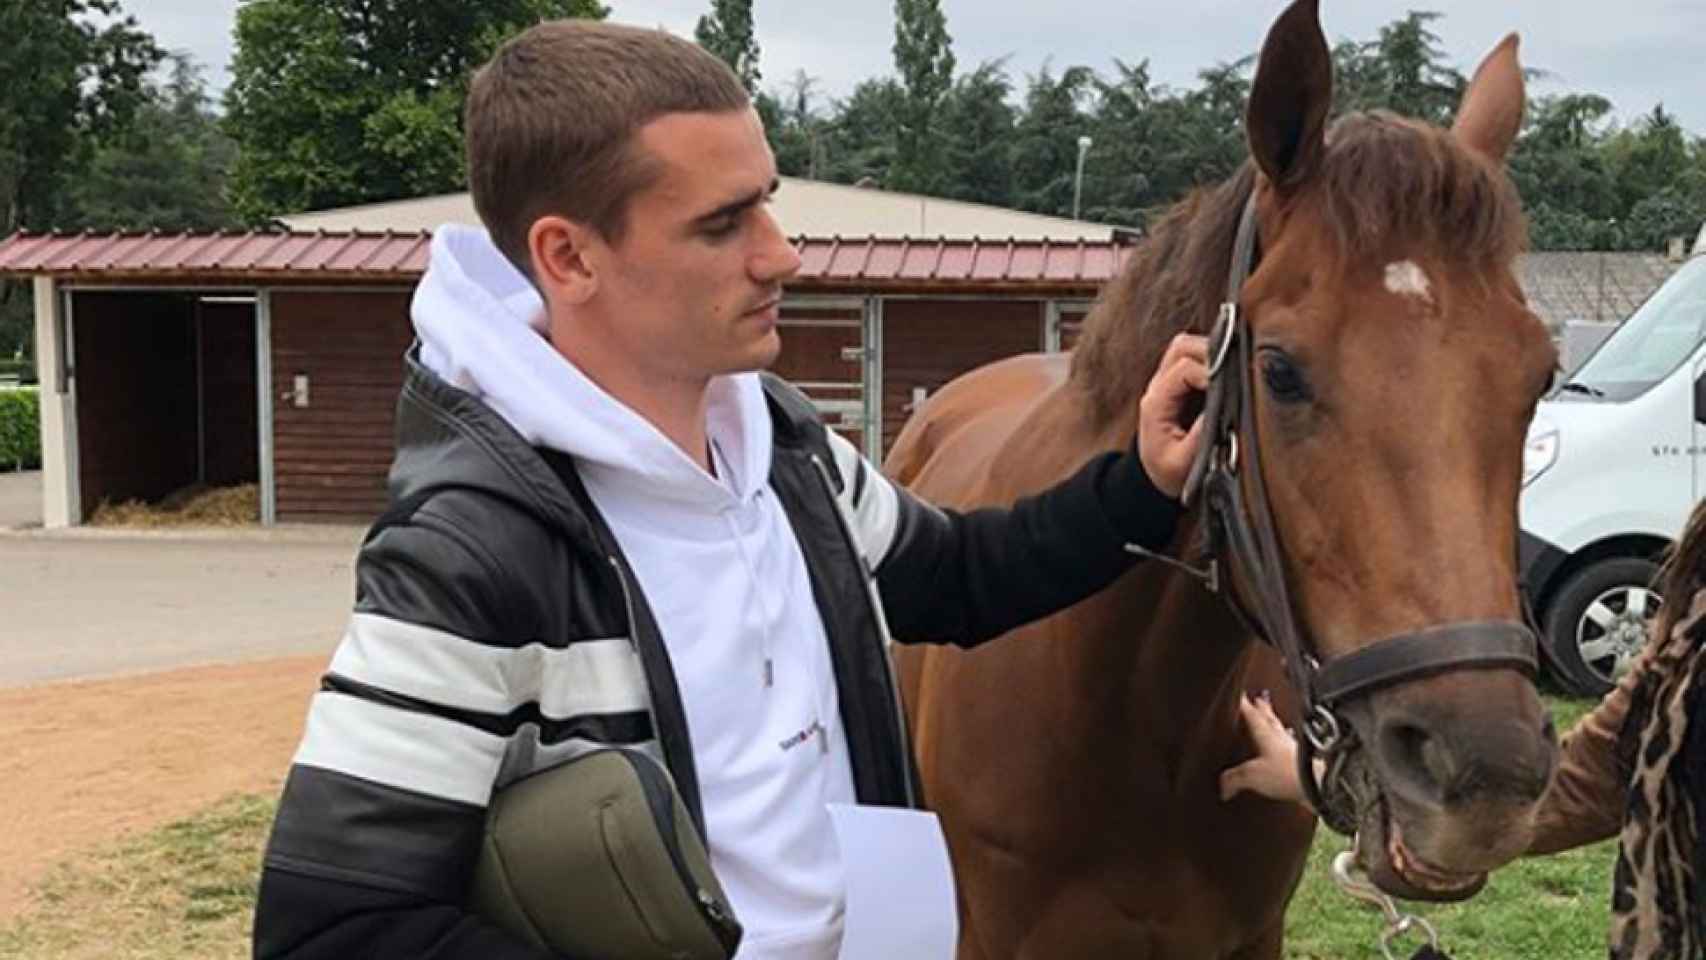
(1168, 921)
(1149, 886)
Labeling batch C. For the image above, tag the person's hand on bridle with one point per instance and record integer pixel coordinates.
(1169, 421)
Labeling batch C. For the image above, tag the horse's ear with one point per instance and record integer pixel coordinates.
(1490, 116)
(1287, 115)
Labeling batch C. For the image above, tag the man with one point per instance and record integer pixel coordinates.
(607, 529)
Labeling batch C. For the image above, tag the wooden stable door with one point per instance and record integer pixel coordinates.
(823, 355)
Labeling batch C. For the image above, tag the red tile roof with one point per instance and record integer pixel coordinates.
(116, 256)
(826, 262)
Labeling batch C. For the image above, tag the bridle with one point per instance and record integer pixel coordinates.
(1241, 535)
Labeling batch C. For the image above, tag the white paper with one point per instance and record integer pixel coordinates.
(900, 886)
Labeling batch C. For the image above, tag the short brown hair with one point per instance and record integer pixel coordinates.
(551, 120)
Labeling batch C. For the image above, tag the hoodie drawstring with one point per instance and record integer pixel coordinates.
(769, 616)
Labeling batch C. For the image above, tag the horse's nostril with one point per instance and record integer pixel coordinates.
(1448, 763)
(1416, 755)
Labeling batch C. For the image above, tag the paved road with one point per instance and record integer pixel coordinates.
(101, 605)
(20, 499)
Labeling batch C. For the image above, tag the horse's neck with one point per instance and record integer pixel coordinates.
(1154, 649)
(1168, 656)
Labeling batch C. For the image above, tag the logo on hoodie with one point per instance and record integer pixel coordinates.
(816, 729)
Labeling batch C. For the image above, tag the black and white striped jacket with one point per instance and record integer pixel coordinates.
(498, 629)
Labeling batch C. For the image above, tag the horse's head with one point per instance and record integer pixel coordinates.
(1394, 368)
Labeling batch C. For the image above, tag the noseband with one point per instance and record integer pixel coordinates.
(1241, 534)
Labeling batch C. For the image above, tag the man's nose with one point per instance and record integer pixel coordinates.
(776, 260)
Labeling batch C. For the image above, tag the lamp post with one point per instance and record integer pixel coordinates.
(1078, 178)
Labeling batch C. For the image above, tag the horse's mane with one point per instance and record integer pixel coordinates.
(1386, 183)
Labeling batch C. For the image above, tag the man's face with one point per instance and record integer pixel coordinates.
(693, 287)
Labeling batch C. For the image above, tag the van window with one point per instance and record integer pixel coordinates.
(1657, 339)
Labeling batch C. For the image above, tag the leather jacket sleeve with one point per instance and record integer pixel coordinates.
(382, 814)
(967, 577)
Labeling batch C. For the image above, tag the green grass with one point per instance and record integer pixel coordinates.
(186, 891)
(1554, 908)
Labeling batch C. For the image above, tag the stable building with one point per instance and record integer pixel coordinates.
(172, 360)
(169, 360)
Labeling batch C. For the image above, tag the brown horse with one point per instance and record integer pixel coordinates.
(1392, 368)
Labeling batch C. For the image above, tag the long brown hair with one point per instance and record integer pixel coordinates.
(1683, 574)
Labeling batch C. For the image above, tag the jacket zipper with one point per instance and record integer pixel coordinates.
(634, 645)
(633, 625)
(874, 603)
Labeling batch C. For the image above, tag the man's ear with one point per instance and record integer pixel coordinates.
(562, 269)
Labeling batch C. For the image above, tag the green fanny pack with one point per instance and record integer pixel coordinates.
(598, 858)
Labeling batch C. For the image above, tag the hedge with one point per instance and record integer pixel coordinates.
(20, 429)
(22, 370)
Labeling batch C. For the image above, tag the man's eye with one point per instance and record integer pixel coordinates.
(721, 227)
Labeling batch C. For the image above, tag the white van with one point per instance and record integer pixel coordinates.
(1616, 459)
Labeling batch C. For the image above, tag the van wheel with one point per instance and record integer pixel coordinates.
(1598, 622)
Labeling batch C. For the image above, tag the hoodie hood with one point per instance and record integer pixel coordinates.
(483, 329)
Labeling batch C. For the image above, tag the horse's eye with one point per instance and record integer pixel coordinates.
(1285, 381)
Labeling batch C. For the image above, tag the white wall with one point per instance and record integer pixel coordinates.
(61, 502)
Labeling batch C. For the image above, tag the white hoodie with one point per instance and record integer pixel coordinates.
(721, 569)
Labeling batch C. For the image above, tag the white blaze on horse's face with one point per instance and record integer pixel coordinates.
(1407, 279)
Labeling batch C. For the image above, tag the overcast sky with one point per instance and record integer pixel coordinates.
(1635, 52)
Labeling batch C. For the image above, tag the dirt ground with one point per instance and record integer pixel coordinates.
(80, 768)
(76, 605)
(20, 498)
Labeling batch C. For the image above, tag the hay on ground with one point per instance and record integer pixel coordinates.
(193, 506)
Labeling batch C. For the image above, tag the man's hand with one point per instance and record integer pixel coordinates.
(1166, 442)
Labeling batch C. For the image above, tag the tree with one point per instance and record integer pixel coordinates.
(1647, 157)
(1417, 81)
(860, 146)
(795, 127)
(67, 78)
(1194, 138)
(1658, 176)
(1655, 219)
(1126, 164)
(1568, 121)
(1358, 83)
(1404, 71)
(924, 58)
(74, 69)
(165, 170)
(976, 132)
(727, 32)
(1045, 147)
(338, 102)
(1555, 227)
(1559, 170)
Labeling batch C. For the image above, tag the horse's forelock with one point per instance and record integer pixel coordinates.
(1392, 183)
(1386, 182)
